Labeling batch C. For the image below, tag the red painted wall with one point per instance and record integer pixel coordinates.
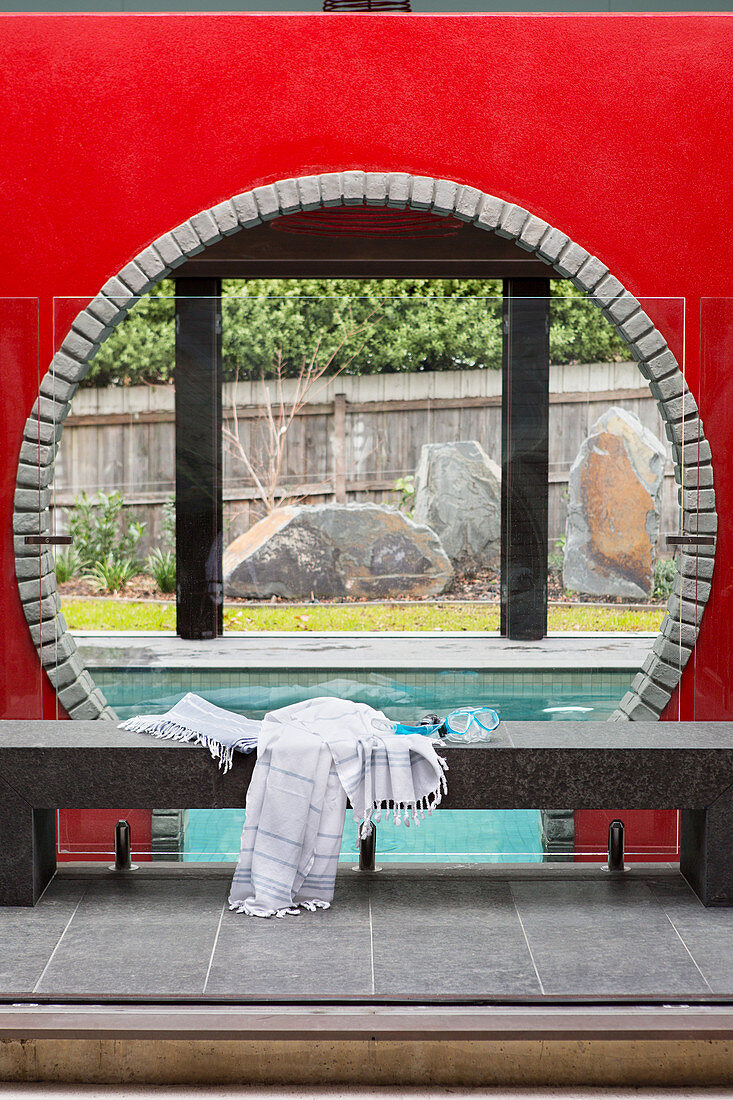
(616, 129)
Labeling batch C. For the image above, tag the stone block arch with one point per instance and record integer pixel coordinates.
(651, 688)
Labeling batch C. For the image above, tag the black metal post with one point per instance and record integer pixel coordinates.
(616, 846)
(524, 461)
(199, 582)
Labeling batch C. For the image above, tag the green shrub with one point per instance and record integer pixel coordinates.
(101, 532)
(67, 563)
(162, 566)
(405, 486)
(112, 573)
(665, 572)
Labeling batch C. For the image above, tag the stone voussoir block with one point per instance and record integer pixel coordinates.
(107, 311)
(90, 327)
(512, 222)
(608, 289)
(42, 433)
(71, 370)
(226, 218)
(552, 244)
(621, 308)
(701, 500)
(31, 523)
(646, 347)
(376, 189)
(468, 203)
(678, 632)
(34, 568)
(118, 295)
(77, 691)
(170, 251)
(51, 411)
(700, 523)
(637, 710)
(187, 239)
(590, 274)
(667, 388)
(77, 346)
(400, 185)
(672, 652)
(571, 259)
(694, 588)
(34, 476)
(207, 227)
(680, 408)
(635, 326)
(63, 648)
(685, 431)
(694, 477)
(288, 196)
(353, 187)
(421, 193)
(694, 454)
(31, 500)
(309, 192)
(38, 455)
(90, 708)
(444, 198)
(684, 611)
(532, 233)
(694, 565)
(61, 675)
(109, 715)
(332, 189)
(490, 213)
(659, 366)
(152, 263)
(651, 694)
(668, 676)
(57, 389)
(45, 634)
(37, 588)
(617, 716)
(37, 611)
(134, 277)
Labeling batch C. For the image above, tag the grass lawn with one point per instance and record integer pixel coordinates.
(115, 614)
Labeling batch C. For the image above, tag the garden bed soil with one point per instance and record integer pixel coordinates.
(467, 587)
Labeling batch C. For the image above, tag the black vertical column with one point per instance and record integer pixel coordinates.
(525, 407)
(199, 586)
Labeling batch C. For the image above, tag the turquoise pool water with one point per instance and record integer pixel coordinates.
(450, 836)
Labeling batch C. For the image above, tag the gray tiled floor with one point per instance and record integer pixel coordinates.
(489, 931)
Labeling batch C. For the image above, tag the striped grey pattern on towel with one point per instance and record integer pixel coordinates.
(310, 756)
(199, 722)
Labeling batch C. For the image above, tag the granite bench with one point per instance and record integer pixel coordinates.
(45, 766)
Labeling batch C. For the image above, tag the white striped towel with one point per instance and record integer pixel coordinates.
(199, 722)
(310, 756)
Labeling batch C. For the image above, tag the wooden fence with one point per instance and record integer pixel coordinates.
(351, 442)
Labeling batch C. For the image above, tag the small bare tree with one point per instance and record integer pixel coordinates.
(264, 465)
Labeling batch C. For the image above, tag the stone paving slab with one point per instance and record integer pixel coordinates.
(453, 931)
(374, 650)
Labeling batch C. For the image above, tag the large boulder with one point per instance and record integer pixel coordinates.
(458, 494)
(329, 550)
(615, 490)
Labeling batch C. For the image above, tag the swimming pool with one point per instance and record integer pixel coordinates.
(451, 836)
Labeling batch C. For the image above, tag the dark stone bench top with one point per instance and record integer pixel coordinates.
(646, 765)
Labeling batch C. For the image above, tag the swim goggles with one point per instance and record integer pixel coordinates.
(467, 724)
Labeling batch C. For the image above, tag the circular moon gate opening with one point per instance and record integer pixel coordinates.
(652, 687)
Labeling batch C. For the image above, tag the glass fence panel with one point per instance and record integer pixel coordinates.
(425, 433)
(24, 561)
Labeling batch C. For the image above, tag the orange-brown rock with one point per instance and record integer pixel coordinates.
(613, 512)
